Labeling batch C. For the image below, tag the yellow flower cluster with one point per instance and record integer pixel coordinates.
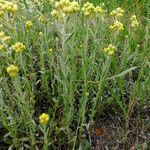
(110, 50)
(12, 70)
(117, 12)
(134, 22)
(117, 26)
(6, 6)
(89, 9)
(65, 7)
(4, 38)
(99, 10)
(18, 47)
(29, 24)
(2, 34)
(42, 19)
(44, 118)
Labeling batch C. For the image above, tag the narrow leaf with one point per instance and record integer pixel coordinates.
(123, 73)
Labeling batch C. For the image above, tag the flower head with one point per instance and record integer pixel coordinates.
(12, 70)
(2, 34)
(56, 14)
(18, 47)
(110, 50)
(44, 118)
(29, 24)
(65, 7)
(117, 12)
(42, 19)
(10, 7)
(99, 10)
(117, 26)
(88, 9)
(134, 22)
(72, 7)
(6, 39)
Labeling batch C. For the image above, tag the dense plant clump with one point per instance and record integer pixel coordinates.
(63, 64)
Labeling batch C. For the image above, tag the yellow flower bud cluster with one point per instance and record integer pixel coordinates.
(2, 34)
(18, 47)
(6, 6)
(110, 50)
(65, 7)
(117, 13)
(99, 10)
(117, 26)
(134, 22)
(44, 118)
(42, 19)
(29, 24)
(12, 70)
(4, 38)
(89, 9)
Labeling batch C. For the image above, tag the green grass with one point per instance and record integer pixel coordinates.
(76, 81)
